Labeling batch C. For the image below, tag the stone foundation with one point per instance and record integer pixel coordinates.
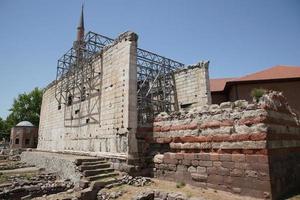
(238, 173)
(62, 164)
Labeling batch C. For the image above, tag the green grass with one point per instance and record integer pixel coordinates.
(3, 178)
(180, 184)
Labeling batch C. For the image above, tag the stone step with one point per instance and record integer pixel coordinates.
(95, 186)
(91, 167)
(97, 171)
(79, 161)
(106, 181)
(102, 176)
(94, 162)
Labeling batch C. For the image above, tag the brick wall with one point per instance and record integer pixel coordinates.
(25, 135)
(244, 148)
(192, 86)
(105, 122)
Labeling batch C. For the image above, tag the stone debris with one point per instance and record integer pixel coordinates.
(26, 187)
(102, 195)
(163, 195)
(138, 181)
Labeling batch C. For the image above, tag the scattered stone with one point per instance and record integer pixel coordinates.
(162, 195)
(138, 181)
(26, 186)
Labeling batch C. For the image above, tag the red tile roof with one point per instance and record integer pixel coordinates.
(218, 84)
(277, 72)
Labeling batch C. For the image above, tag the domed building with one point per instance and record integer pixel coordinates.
(24, 135)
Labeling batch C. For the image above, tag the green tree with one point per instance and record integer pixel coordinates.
(4, 132)
(26, 107)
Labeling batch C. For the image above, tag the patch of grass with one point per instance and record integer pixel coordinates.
(180, 184)
(189, 194)
(257, 93)
(3, 178)
(28, 175)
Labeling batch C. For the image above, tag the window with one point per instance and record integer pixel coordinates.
(83, 97)
(27, 141)
(70, 100)
(188, 105)
(17, 141)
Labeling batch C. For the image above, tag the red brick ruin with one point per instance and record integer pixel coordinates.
(248, 149)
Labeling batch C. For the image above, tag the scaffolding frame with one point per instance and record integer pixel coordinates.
(77, 81)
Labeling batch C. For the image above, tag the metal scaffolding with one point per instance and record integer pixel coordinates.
(77, 81)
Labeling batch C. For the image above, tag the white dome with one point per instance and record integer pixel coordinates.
(25, 123)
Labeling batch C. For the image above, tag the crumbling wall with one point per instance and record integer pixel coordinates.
(249, 149)
(192, 86)
(105, 120)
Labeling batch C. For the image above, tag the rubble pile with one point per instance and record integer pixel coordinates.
(20, 186)
(102, 195)
(138, 181)
(163, 195)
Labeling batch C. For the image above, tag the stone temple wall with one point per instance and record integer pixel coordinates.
(192, 86)
(105, 122)
(249, 149)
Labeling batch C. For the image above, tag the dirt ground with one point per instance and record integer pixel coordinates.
(188, 190)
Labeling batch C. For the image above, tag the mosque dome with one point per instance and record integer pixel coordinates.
(25, 123)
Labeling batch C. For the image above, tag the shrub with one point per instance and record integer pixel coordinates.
(257, 93)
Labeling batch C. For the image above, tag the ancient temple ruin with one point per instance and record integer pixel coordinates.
(148, 114)
(106, 87)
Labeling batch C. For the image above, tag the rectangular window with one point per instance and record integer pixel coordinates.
(188, 105)
(17, 141)
(27, 141)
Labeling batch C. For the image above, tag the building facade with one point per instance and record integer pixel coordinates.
(284, 79)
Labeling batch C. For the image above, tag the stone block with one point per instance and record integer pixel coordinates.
(238, 157)
(199, 177)
(237, 172)
(229, 165)
(192, 169)
(225, 157)
(261, 159)
(195, 162)
(202, 156)
(214, 156)
(205, 163)
(201, 170)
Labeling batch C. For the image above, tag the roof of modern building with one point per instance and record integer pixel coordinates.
(273, 73)
(25, 123)
(218, 84)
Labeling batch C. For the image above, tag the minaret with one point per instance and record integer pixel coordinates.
(78, 45)
(80, 28)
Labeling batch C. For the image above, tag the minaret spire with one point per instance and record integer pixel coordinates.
(80, 28)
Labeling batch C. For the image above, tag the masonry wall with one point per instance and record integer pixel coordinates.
(192, 86)
(249, 149)
(104, 122)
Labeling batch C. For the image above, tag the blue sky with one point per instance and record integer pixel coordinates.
(237, 36)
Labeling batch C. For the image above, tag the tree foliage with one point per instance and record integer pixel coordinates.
(26, 107)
